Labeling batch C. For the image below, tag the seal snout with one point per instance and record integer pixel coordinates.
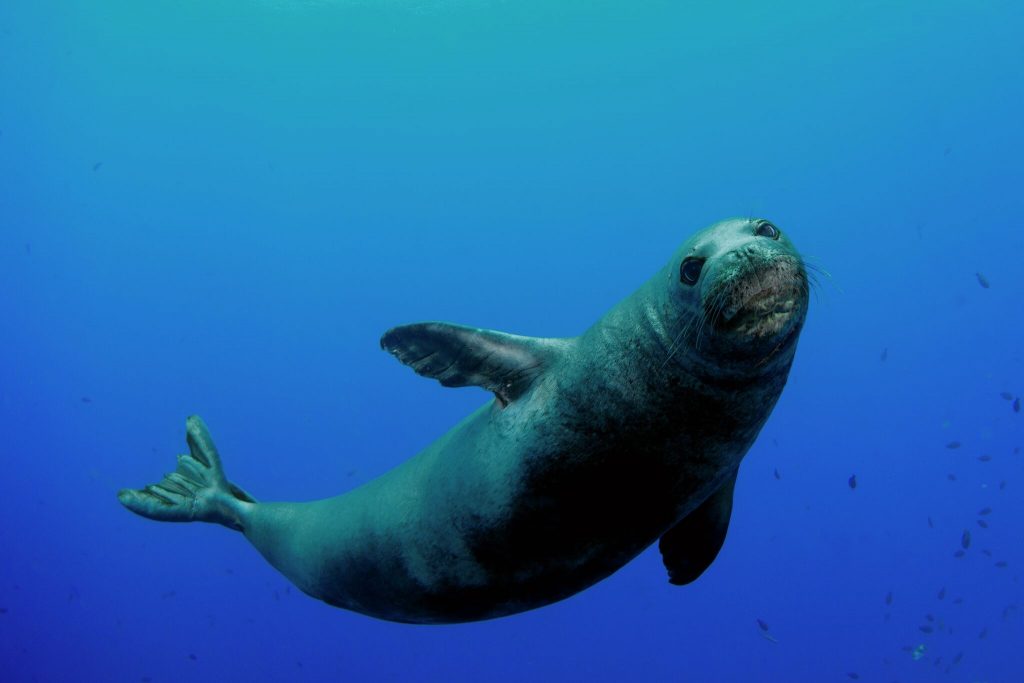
(760, 299)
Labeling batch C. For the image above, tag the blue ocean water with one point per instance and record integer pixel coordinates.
(217, 207)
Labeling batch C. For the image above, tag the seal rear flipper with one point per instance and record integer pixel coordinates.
(197, 491)
(689, 548)
(459, 356)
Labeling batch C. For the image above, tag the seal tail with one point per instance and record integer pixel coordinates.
(197, 491)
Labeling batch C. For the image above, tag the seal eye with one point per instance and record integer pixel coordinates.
(689, 271)
(766, 229)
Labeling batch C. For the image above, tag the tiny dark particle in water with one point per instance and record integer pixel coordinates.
(984, 458)
(146, 679)
(959, 656)
(3, 610)
(1016, 450)
(96, 166)
(925, 628)
(776, 473)
(1016, 405)
(951, 476)
(1006, 395)
(853, 482)
(931, 524)
(192, 656)
(763, 625)
(854, 675)
(1002, 485)
(958, 601)
(983, 281)
(985, 511)
(953, 445)
(888, 598)
(168, 594)
(965, 539)
(86, 399)
(1002, 564)
(885, 355)
(986, 552)
(958, 553)
(983, 634)
(983, 524)
(28, 248)
(942, 593)
(930, 617)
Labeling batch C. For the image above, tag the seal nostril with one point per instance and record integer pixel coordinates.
(689, 271)
(766, 229)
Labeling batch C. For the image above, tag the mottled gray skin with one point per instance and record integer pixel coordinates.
(610, 442)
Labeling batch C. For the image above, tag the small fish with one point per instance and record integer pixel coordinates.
(917, 652)
(951, 476)
(853, 675)
(942, 593)
(984, 633)
(888, 598)
(1016, 405)
(885, 355)
(1006, 395)
(192, 656)
(953, 445)
(762, 624)
(965, 539)
(931, 524)
(983, 281)
(96, 166)
(86, 399)
(3, 610)
(986, 552)
(985, 511)
(1002, 564)
(958, 553)
(959, 656)
(958, 601)
(776, 473)
(984, 458)
(930, 617)
(983, 524)
(1002, 485)
(168, 594)
(853, 482)
(925, 628)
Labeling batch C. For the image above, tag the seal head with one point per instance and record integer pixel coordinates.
(742, 290)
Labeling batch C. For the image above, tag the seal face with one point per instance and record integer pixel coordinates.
(593, 448)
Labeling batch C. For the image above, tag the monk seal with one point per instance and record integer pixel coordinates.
(592, 448)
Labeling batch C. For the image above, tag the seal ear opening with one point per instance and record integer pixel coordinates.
(459, 356)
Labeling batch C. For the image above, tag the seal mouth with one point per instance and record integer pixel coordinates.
(763, 300)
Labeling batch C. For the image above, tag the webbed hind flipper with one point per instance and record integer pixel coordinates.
(689, 548)
(196, 491)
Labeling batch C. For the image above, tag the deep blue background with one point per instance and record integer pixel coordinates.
(218, 206)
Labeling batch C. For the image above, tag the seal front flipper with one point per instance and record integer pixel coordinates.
(197, 491)
(689, 548)
(459, 356)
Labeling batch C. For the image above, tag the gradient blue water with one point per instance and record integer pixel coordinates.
(217, 207)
